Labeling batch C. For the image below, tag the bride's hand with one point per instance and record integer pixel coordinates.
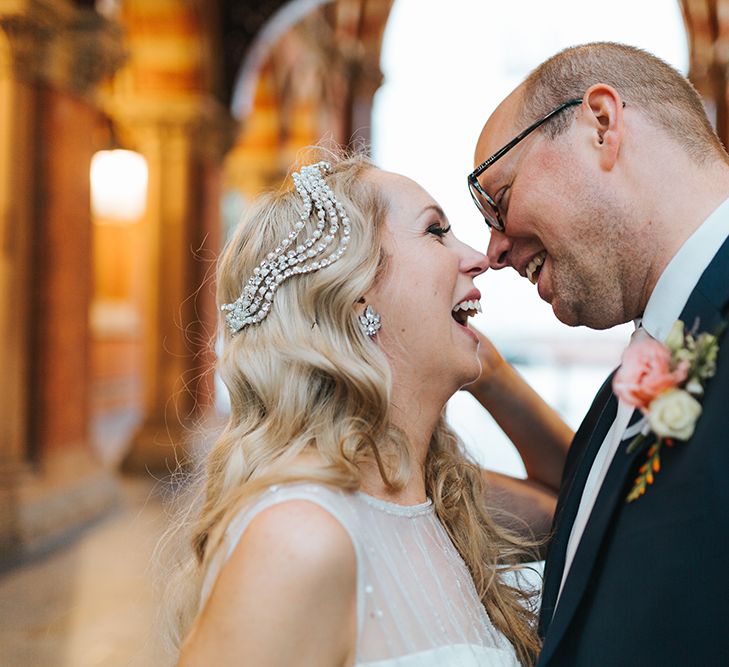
(491, 362)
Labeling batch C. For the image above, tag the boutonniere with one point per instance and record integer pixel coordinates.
(666, 382)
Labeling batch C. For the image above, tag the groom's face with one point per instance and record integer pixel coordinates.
(564, 226)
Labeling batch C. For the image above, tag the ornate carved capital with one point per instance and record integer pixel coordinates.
(29, 38)
(54, 42)
(369, 75)
(92, 48)
(216, 131)
(204, 123)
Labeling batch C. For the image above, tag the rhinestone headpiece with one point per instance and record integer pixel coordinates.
(253, 305)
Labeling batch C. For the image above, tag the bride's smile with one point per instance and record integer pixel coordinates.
(426, 294)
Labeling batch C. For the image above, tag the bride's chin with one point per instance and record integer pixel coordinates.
(469, 373)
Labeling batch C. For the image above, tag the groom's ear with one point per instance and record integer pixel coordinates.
(602, 109)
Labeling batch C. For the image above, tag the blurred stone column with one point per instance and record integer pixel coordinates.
(19, 54)
(51, 57)
(360, 30)
(707, 25)
(183, 142)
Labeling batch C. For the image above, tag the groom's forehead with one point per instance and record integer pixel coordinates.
(500, 127)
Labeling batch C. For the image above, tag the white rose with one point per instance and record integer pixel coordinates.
(673, 414)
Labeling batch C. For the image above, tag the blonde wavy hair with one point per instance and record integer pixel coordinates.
(306, 379)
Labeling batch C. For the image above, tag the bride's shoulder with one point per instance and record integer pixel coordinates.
(300, 527)
(279, 517)
(294, 561)
(328, 500)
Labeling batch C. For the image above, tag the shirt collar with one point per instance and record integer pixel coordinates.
(683, 272)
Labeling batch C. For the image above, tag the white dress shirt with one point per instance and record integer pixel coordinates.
(664, 307)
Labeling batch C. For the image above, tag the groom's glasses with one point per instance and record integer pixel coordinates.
(486, 205)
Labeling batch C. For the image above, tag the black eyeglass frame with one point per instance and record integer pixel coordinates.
(492, 217)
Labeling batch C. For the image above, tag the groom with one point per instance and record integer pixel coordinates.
(604, 184)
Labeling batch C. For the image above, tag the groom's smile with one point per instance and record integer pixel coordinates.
(528, 264)
(534, 267)
(539, 264)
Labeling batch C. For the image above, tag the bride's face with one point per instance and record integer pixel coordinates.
(427, 290)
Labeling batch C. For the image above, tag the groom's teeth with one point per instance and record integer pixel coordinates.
(531, 270)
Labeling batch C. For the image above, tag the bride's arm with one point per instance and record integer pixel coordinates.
(286, 596)
(538, 432)
(523, 506)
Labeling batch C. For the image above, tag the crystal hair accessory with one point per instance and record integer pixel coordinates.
(285, 261)
(370, 322)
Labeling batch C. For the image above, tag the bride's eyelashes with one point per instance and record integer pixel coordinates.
(438, 230)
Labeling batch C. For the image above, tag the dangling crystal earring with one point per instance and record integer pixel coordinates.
(370, 322)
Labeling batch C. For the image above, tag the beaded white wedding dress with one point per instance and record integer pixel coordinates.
(416, 602)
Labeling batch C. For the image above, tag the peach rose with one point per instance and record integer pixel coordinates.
(646, 372)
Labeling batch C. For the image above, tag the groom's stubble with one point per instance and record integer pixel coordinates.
(596, 277)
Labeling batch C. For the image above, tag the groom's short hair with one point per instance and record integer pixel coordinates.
(645, 81)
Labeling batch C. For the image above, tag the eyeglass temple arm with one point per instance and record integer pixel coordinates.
(484, 165)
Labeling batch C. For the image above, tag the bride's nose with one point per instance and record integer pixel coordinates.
(473, 262)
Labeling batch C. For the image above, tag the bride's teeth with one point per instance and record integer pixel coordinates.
(471, 305)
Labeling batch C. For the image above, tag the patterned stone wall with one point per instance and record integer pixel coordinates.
(314, 84)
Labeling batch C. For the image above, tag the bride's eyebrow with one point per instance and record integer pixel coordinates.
(436, 208)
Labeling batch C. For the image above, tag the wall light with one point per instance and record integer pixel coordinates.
(118, 185)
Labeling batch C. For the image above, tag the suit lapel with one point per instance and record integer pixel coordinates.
(709, 300)
(593, 429)
(705, 304)
(612, 493)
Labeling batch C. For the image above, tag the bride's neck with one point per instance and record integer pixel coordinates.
(416, 414)
(416, 417)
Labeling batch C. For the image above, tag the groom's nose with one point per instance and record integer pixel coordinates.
(498, 250)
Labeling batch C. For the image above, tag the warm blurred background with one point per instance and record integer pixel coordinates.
(132, 135)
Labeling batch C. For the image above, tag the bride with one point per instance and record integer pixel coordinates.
(341, 523)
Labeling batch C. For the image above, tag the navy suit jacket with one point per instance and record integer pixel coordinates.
(649, 583)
